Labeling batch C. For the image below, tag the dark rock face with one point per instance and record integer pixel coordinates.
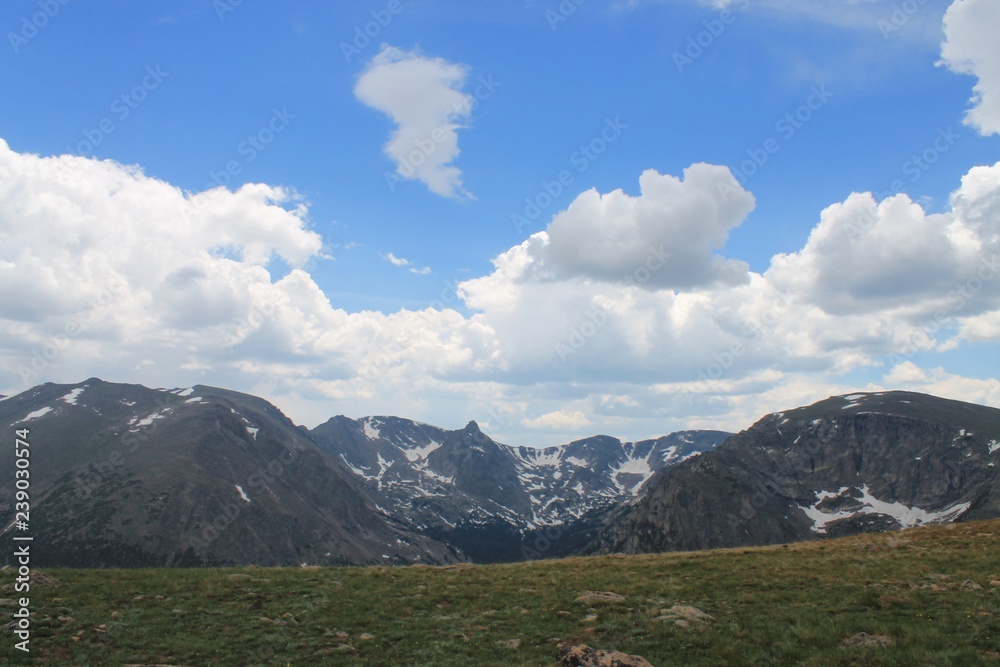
(857, 463)
(125, 476)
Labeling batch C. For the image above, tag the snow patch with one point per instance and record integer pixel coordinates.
(73, 395)
(639, 467)
(252, 431)
(908, 517)
(993, 445)
(579, 463)
(148, 421)
(371, 430)
(433, 475)
(196, 399)
(242, 494)
(184, 392)
(356, 470)
(421, 453)
(36, 414)
(853, 397)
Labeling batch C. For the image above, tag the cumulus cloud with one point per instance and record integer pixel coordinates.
(866, 256)
(675, 224)
(170, 288)
(971, 47)
(102, 262)
(424, 97)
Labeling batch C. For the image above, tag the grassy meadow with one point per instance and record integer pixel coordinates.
(930, 596)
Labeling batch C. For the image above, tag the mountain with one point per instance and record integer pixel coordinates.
(493, 501)
(126, 476)
(848, 464)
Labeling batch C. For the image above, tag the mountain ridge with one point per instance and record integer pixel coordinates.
(847, 464)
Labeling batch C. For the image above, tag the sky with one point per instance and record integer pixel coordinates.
(557, 218)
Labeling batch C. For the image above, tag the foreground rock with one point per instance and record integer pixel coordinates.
(684, 615)
(585, 656)
(866, 640)
(599, 597)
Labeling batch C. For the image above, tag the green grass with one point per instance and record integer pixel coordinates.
(772, 606)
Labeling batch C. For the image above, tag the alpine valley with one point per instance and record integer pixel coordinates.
(127, 476)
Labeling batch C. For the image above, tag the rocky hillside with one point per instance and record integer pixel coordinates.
(493, 501)
(125, 476)
(848, 464)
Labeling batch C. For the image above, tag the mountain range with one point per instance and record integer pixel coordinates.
(126, 476)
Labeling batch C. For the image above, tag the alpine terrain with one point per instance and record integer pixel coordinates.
(493, 501)
(848, 464)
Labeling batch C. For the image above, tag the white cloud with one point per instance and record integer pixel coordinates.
(559, 419)
(939, 382)
(971, 47)
(100, 262)
(905, 374)
(674, 225)
(399, 261)
(424, 97)
(867, 256)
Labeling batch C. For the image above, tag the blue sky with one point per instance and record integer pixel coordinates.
(367, 250)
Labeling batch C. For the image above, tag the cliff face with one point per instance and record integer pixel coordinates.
(845, 465)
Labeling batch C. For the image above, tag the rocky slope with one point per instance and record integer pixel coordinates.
(126, 476)
(493, 501)
(848, 464)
